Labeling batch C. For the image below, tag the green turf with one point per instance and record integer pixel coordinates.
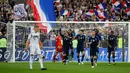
(60, 68)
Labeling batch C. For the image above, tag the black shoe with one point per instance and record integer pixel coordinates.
(43, 68)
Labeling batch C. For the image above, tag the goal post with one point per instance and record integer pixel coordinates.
(57, 23)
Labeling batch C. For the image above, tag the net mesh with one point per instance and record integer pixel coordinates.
(23, 29)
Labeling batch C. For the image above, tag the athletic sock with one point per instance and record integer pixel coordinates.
(114, 58)
(72, 54)
(78, 59)
(31, 61)
(82, 58)
(92, 62)
(41, 61)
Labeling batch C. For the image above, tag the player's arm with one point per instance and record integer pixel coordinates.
(108, 42)
(61, 33)
(27, 42)
(89, 41)
(99, 41)
(40, 44)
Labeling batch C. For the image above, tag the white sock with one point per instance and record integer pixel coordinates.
(41, 61)
(31, 61)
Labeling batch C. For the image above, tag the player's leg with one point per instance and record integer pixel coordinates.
(31, 60)
(113, 56)
(92, 61)
(97, 52)
(40, 58)
(32, 51)
(78, 55)
(109, 55)
(54, 57)
(95, 57)
(72, 52)
(91, 57)
(61, 55)
(65, 56)
(83, 54)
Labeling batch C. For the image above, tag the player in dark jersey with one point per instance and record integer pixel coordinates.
(71, 35)
(94, 44)
(100, 39)
(112, 41)
(80, 47)
(66, 41)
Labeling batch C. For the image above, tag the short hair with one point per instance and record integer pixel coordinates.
(112, 32)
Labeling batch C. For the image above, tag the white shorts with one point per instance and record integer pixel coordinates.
(35, 50)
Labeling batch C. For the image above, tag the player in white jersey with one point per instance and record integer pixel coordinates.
(34, 40)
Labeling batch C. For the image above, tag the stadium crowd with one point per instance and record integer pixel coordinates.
(81, 10)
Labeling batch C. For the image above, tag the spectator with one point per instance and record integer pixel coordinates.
(79, 8)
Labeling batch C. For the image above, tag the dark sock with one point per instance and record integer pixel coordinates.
(64, 58)
(82, 58)
(92, 61)
(113, 58)
(109, 57)
(78, 59)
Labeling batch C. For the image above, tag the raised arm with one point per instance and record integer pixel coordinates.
(61, 33)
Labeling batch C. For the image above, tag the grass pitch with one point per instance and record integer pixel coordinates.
(61, 68)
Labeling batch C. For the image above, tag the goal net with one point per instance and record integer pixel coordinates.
(18, 32)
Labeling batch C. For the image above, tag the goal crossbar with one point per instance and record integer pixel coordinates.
(82, 22)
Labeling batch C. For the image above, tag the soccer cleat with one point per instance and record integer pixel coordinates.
(82, 63)
(92, 66)
(79, 63)
(109, 63)
(53, 61)
(43, 68)
(114, 63)
(95, 64)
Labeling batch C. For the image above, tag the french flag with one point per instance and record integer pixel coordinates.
(90, 13)
(101, 6)
(114, 9)
(65, 12)
(41, 12)
(116, 3)
(124, 3)
(101, 14)
(128, 11)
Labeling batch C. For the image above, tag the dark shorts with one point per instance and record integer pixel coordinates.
(111, 49)
(66, 50)
(93, 52)
(70, 46)
(80, 49)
